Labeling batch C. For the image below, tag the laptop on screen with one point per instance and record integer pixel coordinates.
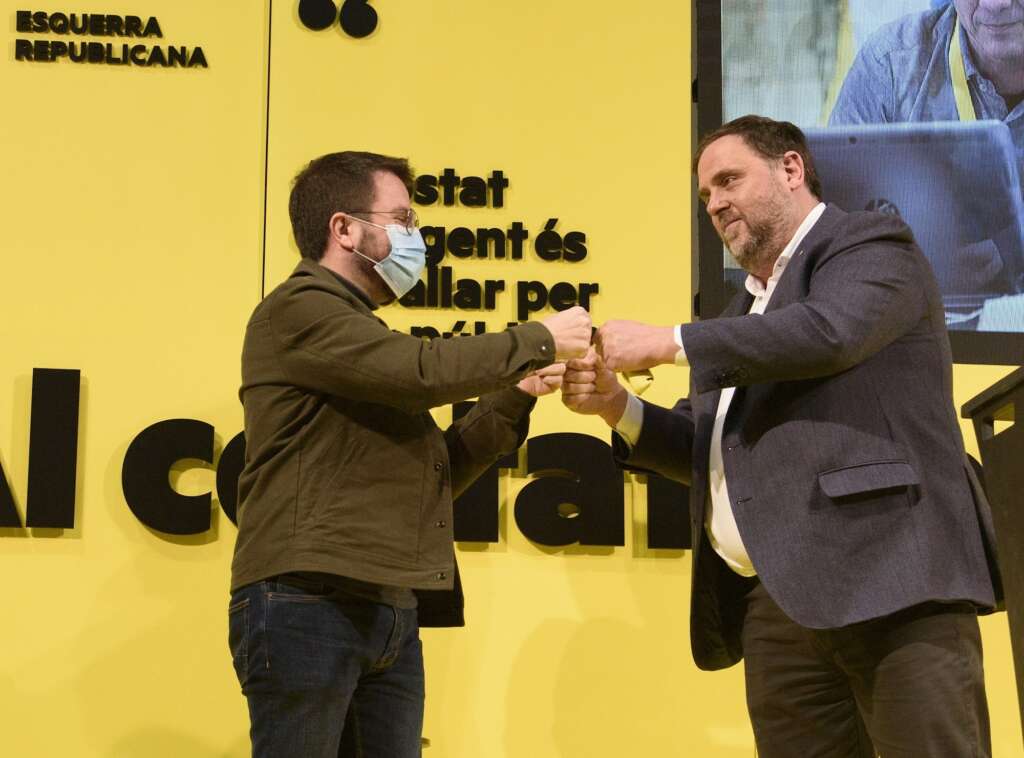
(957, 186)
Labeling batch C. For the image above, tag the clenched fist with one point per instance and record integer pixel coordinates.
(543, 381)
(589, 387)
(571, 330)
(631, 346)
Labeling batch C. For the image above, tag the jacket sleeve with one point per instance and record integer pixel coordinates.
(665, 446)
(867, 290)
(326, 345)
(495, 426)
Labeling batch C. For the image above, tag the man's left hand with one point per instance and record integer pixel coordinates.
(543, 381)
(631, 346)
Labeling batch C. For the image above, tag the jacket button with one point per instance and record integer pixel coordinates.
(441, 524)
(438, 466)
(440, 576)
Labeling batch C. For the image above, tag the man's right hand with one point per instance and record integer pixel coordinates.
(589, 387)
(571, 329)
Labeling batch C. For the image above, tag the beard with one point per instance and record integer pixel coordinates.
(759, 249)
(377, 249)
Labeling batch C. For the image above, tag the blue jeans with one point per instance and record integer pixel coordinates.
(326, 675)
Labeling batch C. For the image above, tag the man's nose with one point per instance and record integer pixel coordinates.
(715, 205)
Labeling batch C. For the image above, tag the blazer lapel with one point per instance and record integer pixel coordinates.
(817, 239)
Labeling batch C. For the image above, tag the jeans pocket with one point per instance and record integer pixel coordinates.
(238, 638)
(289, 596)
(293, 588)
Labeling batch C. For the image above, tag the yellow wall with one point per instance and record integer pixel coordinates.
(132, 224)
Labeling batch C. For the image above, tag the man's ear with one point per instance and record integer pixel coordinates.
(340, 228)
(793, 165)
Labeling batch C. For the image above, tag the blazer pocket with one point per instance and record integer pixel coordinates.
(867, 477)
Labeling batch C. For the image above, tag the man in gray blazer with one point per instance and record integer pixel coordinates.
(838, 541)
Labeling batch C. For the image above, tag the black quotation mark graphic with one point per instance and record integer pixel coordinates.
(357, 17)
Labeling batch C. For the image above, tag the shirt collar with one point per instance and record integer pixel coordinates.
(753, 284)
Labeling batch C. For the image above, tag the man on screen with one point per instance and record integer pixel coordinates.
(345, 502)
(959, 61)
(837, 539)
(909, 69)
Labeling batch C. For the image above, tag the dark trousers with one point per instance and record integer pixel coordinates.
(909, 685)
(326, 675)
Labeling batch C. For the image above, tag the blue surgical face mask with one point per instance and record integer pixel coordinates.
(402, 267)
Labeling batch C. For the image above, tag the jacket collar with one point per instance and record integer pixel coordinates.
(823, 231)
(754, 285)
(350, 290)
(818, 236)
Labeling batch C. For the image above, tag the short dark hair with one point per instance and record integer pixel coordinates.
(332, 183)
(769, 138)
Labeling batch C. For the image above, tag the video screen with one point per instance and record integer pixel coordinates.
(911, 107)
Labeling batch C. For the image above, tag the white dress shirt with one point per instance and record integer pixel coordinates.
(720, 522)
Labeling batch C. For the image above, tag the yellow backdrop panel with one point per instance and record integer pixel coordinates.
(131, 207)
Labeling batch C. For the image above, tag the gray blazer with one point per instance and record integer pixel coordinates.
(842, 450)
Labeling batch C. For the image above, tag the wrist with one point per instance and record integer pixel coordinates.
(615, 407)
(667, 345)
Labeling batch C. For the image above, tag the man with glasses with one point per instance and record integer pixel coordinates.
(345, 501)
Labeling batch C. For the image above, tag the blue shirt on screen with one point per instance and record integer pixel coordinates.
(901, 73)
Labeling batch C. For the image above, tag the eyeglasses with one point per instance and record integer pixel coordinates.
(405, 218)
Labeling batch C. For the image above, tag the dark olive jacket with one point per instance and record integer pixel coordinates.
(345, 470)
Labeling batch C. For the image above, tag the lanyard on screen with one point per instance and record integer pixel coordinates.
(958, 74)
